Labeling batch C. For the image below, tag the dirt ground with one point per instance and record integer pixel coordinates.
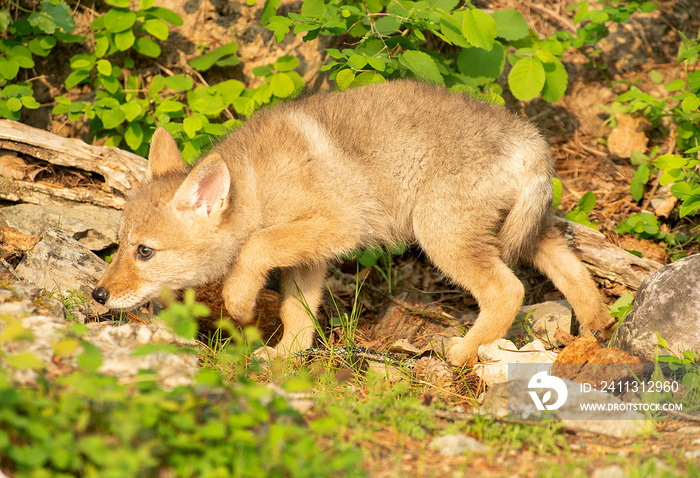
(577, 129)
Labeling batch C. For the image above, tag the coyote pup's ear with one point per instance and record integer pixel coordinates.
(164, 156)
(204, 193)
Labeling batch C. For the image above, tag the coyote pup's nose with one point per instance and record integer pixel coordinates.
(100, 294)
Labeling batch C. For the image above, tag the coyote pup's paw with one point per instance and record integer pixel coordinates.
(267, 354)
(460, 350)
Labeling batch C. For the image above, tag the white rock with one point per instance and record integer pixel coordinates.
(497, 355)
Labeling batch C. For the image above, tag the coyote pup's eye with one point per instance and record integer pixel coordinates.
(144, 253)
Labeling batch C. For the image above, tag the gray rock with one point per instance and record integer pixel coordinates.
(59, 264)
(546, 317)
(612, 471)
(667, 303)
(513, 399)
(94, 227)
(31, 332)
(457, 445)
(18, 299)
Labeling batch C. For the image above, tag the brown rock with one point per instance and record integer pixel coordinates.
(580, 351)
(630, 135)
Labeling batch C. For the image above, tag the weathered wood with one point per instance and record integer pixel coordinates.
(38, 193)
(605, 260)
(121, 170)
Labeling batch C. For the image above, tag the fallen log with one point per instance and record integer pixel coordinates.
(34, 163)
(605, 260)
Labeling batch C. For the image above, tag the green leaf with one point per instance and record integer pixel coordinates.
(75, 78)
(14, 104)
(510, 24)
(656, 76)
(133, 135)
(22, 55)
(147, 46)
(556, 80)
(124, 40)
(42, 45)
(556, 192)
(24, 360)
(118, 3)
(119, 19)
(282, 85)
(286, 63)
(662, 342)
(263, 70)
(344, 79)
(101, 44)
(387, 25)
(178, 82)
(109, 83)
(5, 20)
(675, 85)
(690, 103)
(451, 28)
(208, 60)
(366, 78)
(166, 14)
(157, 28)
(82, 61)
(8, 68)
(53, 17)
(30, 103)
(587, 202)
(313, 8)
(479, 28)
(131, 110)
(104, 67)
(477, 62)
(423, 66)
(112, 118)
(671, 165)
(376, 63)
(229, 90)
(357, 62)
(169, 106)
(29, 456)
(641, 177)
(269, 11)
(191, 125)
(527, 78)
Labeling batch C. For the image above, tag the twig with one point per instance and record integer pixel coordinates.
(555, 16)
(10, 269)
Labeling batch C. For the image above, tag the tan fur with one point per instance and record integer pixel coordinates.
(304, 182)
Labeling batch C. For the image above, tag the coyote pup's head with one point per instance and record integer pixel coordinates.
(169, 228)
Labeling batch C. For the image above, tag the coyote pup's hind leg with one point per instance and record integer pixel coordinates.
(554, 258)
(474, 263)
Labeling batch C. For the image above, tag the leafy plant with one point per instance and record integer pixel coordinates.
(444, 42)
(72, 300)
(398, 39)
(380, 259)
(32, 35)
(593, 24)
(680, 111)
(580, 212)
(281, 83)
(118, 112)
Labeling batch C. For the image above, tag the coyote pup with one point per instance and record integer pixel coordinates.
(304, 182)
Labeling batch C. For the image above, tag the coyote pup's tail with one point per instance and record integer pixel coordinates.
(523, 223)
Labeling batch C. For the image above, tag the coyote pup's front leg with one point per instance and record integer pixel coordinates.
(293, 248)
